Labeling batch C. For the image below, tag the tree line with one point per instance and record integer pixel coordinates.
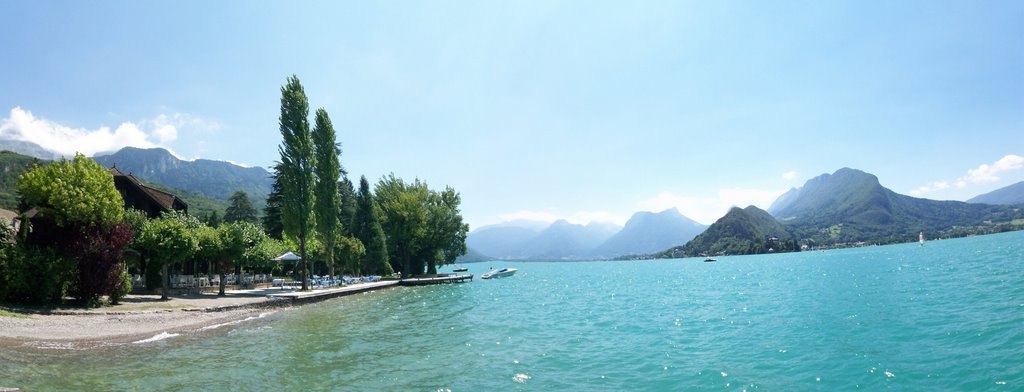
(313, 207)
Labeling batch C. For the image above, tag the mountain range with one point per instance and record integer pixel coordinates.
(217, 180)
(847, 206)
(644, 233)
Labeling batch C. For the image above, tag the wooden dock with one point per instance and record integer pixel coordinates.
(320, 295)
(447, 279)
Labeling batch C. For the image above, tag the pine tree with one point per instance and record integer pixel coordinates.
(241, 209)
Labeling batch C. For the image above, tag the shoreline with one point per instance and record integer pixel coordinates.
(142, 319)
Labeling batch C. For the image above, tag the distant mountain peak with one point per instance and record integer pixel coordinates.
(1009, 195)
(214, 179)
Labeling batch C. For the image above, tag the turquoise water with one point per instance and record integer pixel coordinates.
(946, 316)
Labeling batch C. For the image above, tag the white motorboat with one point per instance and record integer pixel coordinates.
(499, 273)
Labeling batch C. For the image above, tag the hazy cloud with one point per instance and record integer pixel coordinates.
(22, 125)
(789, 175)
(988, 173)
(708, 209)
(579, 217)
(930, 187)
(983, 173)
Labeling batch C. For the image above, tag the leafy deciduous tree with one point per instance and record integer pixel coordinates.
(76, 193)
(166, 240)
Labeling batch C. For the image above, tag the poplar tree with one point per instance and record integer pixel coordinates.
(327, 170)
(297, 162)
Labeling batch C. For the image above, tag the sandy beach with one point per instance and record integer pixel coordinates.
(138, 317)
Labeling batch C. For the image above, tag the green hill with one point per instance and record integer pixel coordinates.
(852, 206)
(748, 230)
(217, 180)
(13, 164)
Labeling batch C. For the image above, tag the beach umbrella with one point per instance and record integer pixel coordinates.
(289, 256)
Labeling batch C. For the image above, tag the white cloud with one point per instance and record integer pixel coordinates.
(931, 187)
(988, 173)
(983, 173)
(23, 125)
(708, 209)
(789, 175)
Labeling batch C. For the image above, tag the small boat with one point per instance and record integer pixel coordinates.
(499, 273)
(460, 269)
(710, 259)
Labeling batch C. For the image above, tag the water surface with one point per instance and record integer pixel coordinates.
(949, 315)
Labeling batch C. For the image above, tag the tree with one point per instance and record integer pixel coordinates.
(77, 193)
(350, 250)
(241, 209)
(297, 162)
(80, 198)
(272, 212)
(367, 228)
(347, 211)
(97, 254)
(446, 234)
(403, 217)
(213, 220)
(423, 228)
(166, 240)
(327, 170)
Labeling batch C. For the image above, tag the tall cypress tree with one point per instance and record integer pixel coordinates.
(272, 212)
(369, 230)
(297, 162)
(347, 212)
(327, 170)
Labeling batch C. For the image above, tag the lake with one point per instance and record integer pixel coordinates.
(949, 315)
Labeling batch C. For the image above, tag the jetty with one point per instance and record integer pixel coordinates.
(440, 279)
(297, 297)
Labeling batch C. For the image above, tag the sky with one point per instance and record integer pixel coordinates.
(580, 110)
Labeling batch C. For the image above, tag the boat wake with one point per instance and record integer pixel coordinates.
(158, 337)
(215, 326)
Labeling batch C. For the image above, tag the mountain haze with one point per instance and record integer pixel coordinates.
(501, 241)
(28, 149)
(649, 232)
(564, 240)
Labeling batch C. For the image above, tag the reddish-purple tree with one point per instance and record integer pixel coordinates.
(97, 253)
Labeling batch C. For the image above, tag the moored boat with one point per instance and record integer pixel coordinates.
(499, 273)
